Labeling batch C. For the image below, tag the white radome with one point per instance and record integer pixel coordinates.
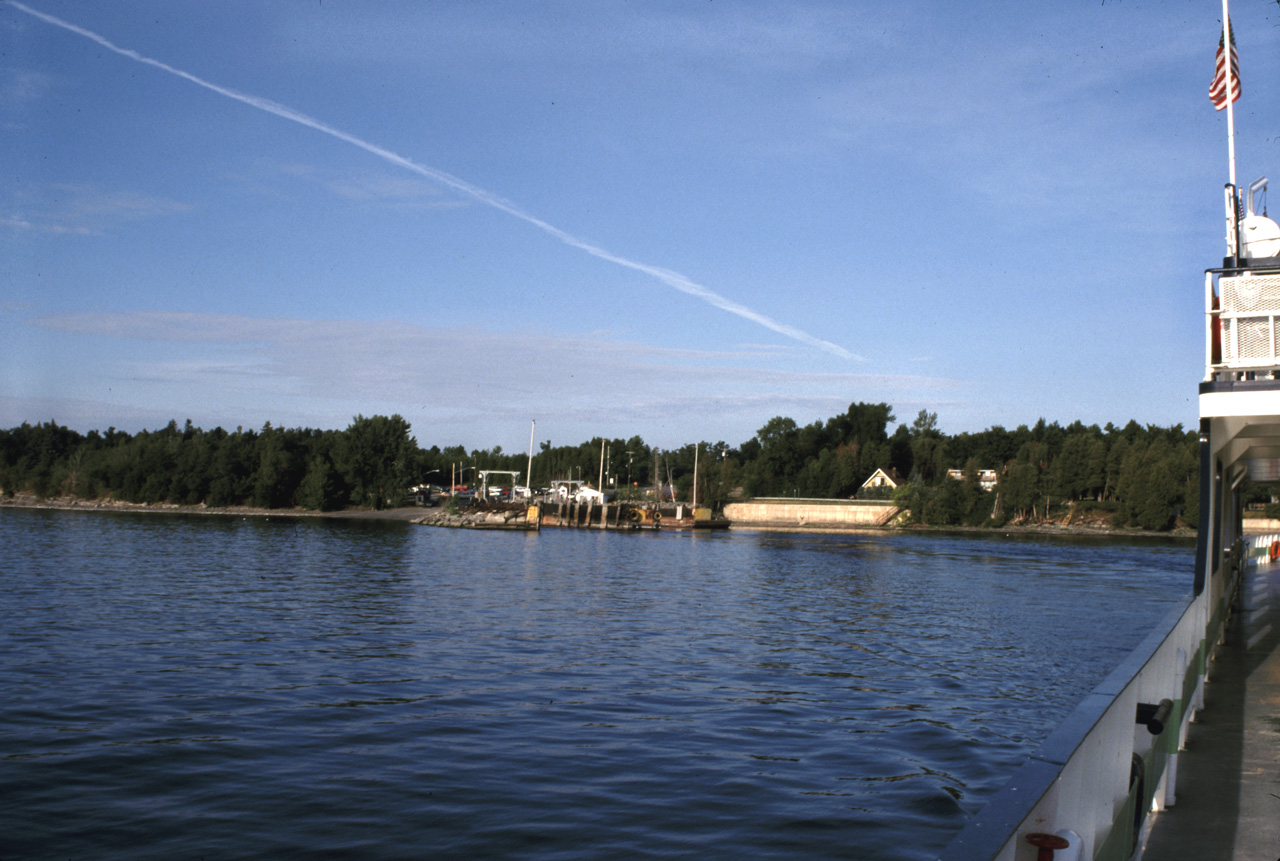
(1260, 237)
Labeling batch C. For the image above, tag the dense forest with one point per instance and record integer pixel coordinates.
(1143, 476)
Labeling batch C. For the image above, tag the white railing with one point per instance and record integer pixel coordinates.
(1107, 765)
(1262, 549)
(1240, 325)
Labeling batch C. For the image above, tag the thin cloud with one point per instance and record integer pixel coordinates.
(394, 359)
(397, 190)
(14, 222)
(228, 370)
(774, 38)
(90, 206)
(21, 85)
(81, 210)
(671, 278)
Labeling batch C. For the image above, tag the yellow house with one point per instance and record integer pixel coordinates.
(881, 479)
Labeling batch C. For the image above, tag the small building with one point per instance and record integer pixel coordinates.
(590, 495)
(881, 482)
(564, 489)
(987, 478)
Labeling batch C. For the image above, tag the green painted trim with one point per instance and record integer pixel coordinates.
(1154, 770)
(1118, 845)
(1167, 743)
(1216, 624)
(1196, 663)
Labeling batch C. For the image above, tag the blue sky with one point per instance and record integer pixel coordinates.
(675, 220)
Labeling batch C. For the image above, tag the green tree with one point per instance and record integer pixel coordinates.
(900, 456)
(1069, 469)
(232, 469)
(949, 504)
(375, 455)
(1019, 485)
(861, 423)
(777, 465)
(1116, 454)
(912, 496)
(846, 477)
(274, 483)
(1131, 485)
(928, 448)
(1159, 504)
(321, 489)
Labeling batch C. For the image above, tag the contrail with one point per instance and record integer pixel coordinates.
(666, 276)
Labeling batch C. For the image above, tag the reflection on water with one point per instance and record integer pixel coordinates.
(176, 686)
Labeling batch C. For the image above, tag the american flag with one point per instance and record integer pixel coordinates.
(1218, 89)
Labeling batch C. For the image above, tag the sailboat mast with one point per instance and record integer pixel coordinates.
(528, 480)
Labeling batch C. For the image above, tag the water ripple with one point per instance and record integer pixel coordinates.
(257, 687)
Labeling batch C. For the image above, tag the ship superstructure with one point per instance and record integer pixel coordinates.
(1094, 787)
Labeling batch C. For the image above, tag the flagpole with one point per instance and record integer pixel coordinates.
(1232, 191)
(1231, 122)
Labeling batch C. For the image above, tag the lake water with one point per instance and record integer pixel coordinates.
(222, 687)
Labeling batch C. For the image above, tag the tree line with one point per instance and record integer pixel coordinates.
(1143, 476)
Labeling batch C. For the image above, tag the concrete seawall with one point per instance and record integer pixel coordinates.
(810, 513)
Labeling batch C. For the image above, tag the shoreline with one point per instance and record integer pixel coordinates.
(64, 503)
(413, 513)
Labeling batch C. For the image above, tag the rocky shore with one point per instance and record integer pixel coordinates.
(496, 519)
(71, 503)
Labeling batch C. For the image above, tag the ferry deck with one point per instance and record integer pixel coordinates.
(1228, 788)
(1176, 754)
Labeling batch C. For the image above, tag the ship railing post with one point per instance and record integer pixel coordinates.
(1209, 321)
(1179, 732)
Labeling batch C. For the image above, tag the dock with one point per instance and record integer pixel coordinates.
(627, 516)
(572, 514)
(1228, 781)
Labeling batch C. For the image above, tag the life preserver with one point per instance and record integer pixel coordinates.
(1275, 550)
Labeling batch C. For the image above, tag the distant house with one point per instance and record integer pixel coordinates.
(593, 496)
(986, 477)
(579, 491)
(880, 484)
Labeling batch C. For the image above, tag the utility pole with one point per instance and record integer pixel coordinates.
(528, 479)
